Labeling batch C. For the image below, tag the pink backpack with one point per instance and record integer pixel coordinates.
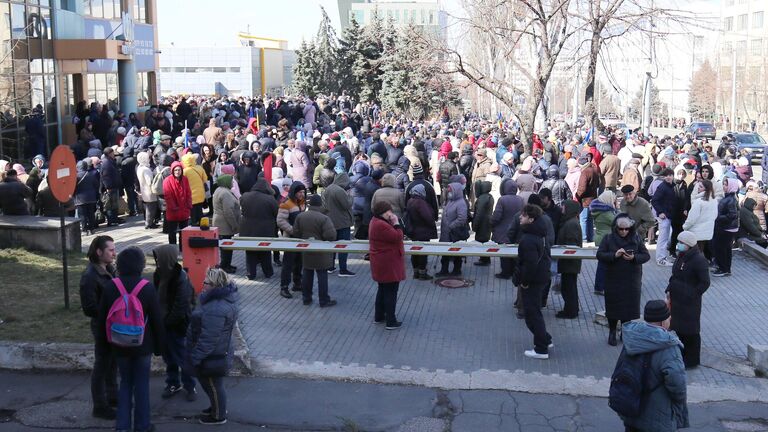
(125, 320)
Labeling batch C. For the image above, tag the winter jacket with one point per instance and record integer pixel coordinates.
(300, 164)
(421, 216)
(664, 200)
(610, 167)
(389, 193)
(507, 207)
(314, 224)
(761, 200)
(526, 185)
(12, 197)
(368, 189)
(226, 209)
(210, 326)
(431, 197)
(174, 290)
(560, 190)
(664, 409)
(145, 175)
(534, 254)
(178, 197)
(92, 283)
(455, 213)
(689, 281)
(386, 251)
(623, 279)
(481, 219)
(447, 169)
(569, 234)
(727, 213)
(602, 216)
(701, 217)
(338, 203)
(290, 209)
(749, 224)
(87, 189)
(110, 175)
(589, 182)
(392, 156)
(154, 331)
(640, 211)
(631, 176)
(259, 211)
(196, 176)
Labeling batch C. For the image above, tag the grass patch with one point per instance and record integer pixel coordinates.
(32, 297)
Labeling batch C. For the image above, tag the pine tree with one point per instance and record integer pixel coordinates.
(368, 69)
(352, 62)
(326, 56)
(703, 93)
(304, 76)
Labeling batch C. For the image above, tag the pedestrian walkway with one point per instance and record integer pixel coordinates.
(469, 337)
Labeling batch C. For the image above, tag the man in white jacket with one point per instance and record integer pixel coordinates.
(148, 197)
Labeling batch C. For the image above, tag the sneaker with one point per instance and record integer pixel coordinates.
(208, 420)
(564, 315)
(106, 413)
(534, 355)
(596, 292)
(191, 395)
(332, 270)
(551, 345)
(664, 262)
(381, 321)
(720, 273)
(170, 390)
(329, 303)
(346, 273)
(394, 326)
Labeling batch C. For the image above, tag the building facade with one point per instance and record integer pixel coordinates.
(259, 66)
(57, 53)
(427, 14)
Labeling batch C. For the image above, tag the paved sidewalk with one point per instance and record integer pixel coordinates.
(470, 338)
(33, 402)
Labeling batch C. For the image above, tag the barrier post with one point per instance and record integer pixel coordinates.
(200, 250)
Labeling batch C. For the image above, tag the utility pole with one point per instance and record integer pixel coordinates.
(733, 92)
(648, 84)
(575, 107)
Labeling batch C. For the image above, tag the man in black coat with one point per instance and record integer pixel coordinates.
(112, 183)
(259, 219)
(534, 262)
(418, 179)
(689, 281)
(12, 195)
(98, 273)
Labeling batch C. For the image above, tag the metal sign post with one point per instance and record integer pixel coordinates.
(62, 178)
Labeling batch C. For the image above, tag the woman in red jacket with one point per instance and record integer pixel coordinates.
(385, 237)
(178, 201)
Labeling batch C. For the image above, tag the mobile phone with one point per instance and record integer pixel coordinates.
(629, 251)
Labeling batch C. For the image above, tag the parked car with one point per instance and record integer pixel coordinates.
(752, 143)
(701, 130)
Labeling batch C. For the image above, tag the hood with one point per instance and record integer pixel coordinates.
(641, 338)
(176, 164)
(226, 292)
(482, 187)
(41, 157)
(456, 191)
(526, 183)
(296, 187)
(750, 204)
(508, 187)
(189, 160)
(262, 186)
(537, 227)
(342, 180)
(361, 168)
(143, 159)
(572, 209)
(419, 191)
(225, 181)
(166, 257)
(388, 180)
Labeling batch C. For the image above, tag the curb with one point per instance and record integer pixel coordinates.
(755, 251)
(79, 356)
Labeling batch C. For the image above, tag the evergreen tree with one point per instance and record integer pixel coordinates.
(351, 59)
(368, 69)
(326, 56)
(304, 76)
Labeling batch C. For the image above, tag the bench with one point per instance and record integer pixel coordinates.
(39, 233)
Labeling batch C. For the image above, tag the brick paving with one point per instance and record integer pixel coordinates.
(472, 329)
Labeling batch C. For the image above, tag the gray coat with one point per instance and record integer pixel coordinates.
(338, 203)
(210, 326)
(226, 212)
(665, 408)
(389, 193)
(455, 213)
(314, 224)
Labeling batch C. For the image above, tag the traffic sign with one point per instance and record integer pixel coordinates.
(62, 173)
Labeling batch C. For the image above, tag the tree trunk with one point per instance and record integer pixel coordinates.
(590, 111)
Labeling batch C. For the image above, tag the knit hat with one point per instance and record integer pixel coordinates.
(419, 191)
(417, 169)
(657, 169)
(627, 189)
(377, 174)
(687, 238)
(655, 311)
(381, 207)
(228, 169)
(315, 200)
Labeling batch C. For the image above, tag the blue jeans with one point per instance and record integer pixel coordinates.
(343, 234)
(134, 393)
(174, 358)
(587, 227)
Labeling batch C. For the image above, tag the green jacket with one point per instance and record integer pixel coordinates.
(640, 211)
(602, 217)
(750, 224)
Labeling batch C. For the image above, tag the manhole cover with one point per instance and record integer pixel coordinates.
(6, 415)
(452, 282)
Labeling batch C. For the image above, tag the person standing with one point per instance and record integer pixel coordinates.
(133, 362)
(702, 215)
(504, 215)
(603, 212)
(586, 192)
(623, 253)
(481, 218)
(287, 212)
(145, 176)
(688, 283)
(569, 269)
(387, 262)
(226, 217)
(112, 183)
(314, 224)
(664, 203)
(338, 205)
(638, 209)
(197, 183)
(534, 266)
(454, 227)
(99, 273)
(662, 407)
(178, 201)
(726, 227)
(259, 219)
(176, 298)
(87, 195)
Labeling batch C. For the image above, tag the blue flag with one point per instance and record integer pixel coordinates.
(588, 138)
(250, 112)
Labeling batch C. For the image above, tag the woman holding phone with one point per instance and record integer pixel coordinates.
(623, 254)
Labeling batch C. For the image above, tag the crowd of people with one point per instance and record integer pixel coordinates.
(332, 169)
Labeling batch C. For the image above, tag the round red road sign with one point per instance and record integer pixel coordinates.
(62, 173)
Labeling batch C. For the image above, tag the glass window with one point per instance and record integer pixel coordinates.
(109, 9)
(741, 46)
(190, 70)
(757, 19)
(140, 10)
(18, 21)
(234, 69)
(38, 93)
(113, 91)
(219, 69)
(431, 17)
(97, 9)
(757, 46)
(728, 24)
(178, 69)
(742, 22)
(165, 69)
(142, 89)
(69, 92)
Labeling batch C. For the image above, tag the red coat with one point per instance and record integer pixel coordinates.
(178, 197)
(386, 251)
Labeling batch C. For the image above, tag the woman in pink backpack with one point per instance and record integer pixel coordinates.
(132, 345)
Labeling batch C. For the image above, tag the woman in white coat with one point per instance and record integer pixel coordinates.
(702, 215)
(144, 174)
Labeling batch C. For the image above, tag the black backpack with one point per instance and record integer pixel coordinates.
(629, 384)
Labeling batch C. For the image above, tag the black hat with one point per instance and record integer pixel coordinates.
(656, 311)
(315, 200)
(627, 189)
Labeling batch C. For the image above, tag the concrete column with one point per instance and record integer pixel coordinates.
(126, 81)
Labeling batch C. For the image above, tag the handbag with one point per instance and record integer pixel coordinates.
(215, 365)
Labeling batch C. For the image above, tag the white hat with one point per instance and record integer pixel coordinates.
(121, 131)
(250, 138)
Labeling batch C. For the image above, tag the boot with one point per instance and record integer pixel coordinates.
(443, 272)
(285, 293)
(416, 274)
(425, 275)
(612, 338)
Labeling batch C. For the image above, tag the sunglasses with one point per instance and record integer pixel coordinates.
(623, 229)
